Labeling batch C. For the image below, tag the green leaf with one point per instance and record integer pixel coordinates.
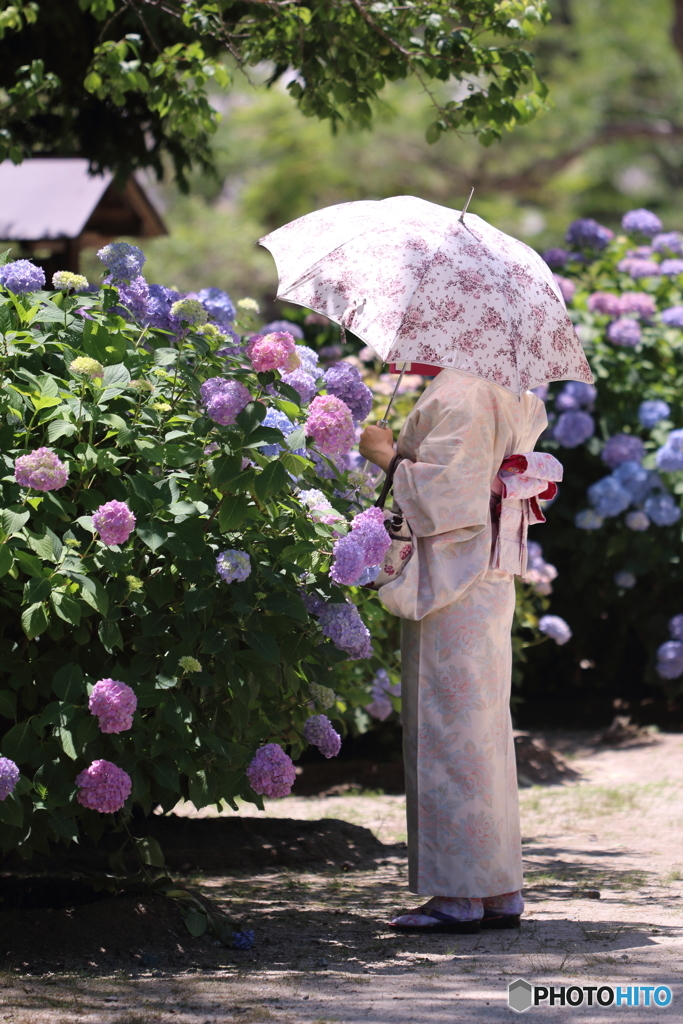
(29, 563)
(165, 356)
(20, 742)
(264, 645)
(34, 620)
(166, 774)
(153, 535)
(150, 852)
(110, 635)
(273, 479)
(66, 607)
(68, 683)
(12, 810)
(108, 347)
(286, 604)
(196, 922)
(6, 559)
(225, 469)
(47, 546)
(297, 438)
(93, 593)
(232, 513)
(65, 739)
(60, 428)
(12, 521)
(250, 417)
(8, 704)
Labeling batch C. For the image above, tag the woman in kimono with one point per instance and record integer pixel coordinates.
(464, 843)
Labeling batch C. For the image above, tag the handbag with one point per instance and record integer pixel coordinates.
(396, 525)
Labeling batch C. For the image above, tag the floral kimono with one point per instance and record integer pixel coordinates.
(461, 781)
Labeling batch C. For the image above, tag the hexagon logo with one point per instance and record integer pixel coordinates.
(520, 995)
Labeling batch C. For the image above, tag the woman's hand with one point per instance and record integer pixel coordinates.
(377, 446)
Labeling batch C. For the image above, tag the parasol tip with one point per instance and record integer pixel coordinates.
(461, 218)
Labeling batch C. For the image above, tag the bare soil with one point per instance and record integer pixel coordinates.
(604, 862)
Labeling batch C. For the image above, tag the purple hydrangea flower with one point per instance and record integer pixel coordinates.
(662, 509)
(330, 424)
(586, 233)
(349, 560)
(114, 703)
(224, 399)
(271, 771)
(642, 222)
(318, 730)
(573, 428)
(637, 267)
(158, 311)
(303, 382)
(103, 787)
(671, 267)
(670, 660)
(279, 421)
(41, 469)
(122, 260)
(278, 326)
(134, 297)
(212, 448)
(217, 304)
(567, 287)
(624, 332)
(9, 776)
(369, 528)
(345, 381)
(604, 302)
(640, 303)
(541, 391)
(635, 479)
(320, 509)
(331, 354)
(673, 316)
(22, 277)
(676, 627)
(342, 624)
(651, 412)
(233, 566)
(556, 628)
(637, 521)
(381, 707)
(608, 497)
(576, 395)
(622, 448)
(368, 575)
(670, 243)
(243, 940)
(555, 258)
(308, 359)
(540, 574)
(625, 580)
(114, 522)
(670, 455)
(588, 519)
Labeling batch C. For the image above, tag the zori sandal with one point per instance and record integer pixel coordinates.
(442, 923)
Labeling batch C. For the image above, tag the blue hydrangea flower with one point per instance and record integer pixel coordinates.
(134, 297)
(676, 627)
(283, 325)
(573, 428)
(670, 455)
(345, 382)
(576, 395)
(625, 580)
(217, 304)
(622, 448)
(670, 243)
(586, 233)
(652, 411)
(122, 260)
(608, 497)
(637, 521)
(635, 479)
(158, 312)
(662, 509)
(555, 258)
(642, 222)
(280, 421)
(670, 660)
(556, 628)
(22, 277)
(671, 267)
(303, 382)
(588, 519)
(309, 359)
(233, 566)
(673, 316)
(625, 332)
(243, 940)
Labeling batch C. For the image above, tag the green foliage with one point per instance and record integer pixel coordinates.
(76, 611)
(126, 84)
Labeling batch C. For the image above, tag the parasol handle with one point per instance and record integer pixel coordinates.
(384, 422)
(461, 218)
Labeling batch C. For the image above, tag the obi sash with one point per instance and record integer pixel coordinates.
(526, 480)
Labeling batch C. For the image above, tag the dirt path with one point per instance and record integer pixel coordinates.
(322, 955)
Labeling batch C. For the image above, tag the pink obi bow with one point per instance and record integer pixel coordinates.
(526, 479)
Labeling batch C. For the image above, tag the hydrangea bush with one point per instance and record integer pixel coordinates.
(169, 622)
(614, 533)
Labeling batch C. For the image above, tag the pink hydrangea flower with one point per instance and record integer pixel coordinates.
(271, 771)
(639, 303)
(9, 776)
(42, 470)
(114, 703)
(605, 302)
(114, 522)
(276, 351)
(330, 424)
(103, 787)
(567, 287)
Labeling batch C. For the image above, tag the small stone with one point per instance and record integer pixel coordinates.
(149, 960)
